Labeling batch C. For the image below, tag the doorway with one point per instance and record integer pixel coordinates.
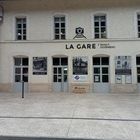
(21, 67)
(100, 74)
(60, 74)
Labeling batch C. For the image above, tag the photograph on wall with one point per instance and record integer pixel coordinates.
(39, 65)
(123, 65)
(80, 65)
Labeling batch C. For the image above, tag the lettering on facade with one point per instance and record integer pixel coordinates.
(89, 46)
(80, 46)
(102, 46)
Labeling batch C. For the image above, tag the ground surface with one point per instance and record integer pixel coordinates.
(91, 116)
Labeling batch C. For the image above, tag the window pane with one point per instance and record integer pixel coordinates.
(25, 70)
(103, 35)
(56, 61)
(96, 70)
(138, 60)
(24, 25)
(103, 23)
(65, 78)
(96, 35)
(55, 70)
(96, 24)
(62, 25)
(105, 61)
(103, 30)
(17, 61)
(57, 25)
(104, 78)
(25, 78)
(97, 30)
(59, 70)
(56, 36)
(17, 70)
(17, 78)
(25, 61)
(104, 70)
(138, 78)
(24, 37)
(19, 37)
(62, 18)
(96, 61)
(64, 61)
(63, 31)
(96, 78)
(55, 78)
(138, 70)
(63, 37)
(57, 31)
(56, 19)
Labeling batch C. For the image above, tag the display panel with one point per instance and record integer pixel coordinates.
(39, 65)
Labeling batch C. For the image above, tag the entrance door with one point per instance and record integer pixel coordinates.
(101, 74)
(138, 72)
(20, 74)
(60, 74)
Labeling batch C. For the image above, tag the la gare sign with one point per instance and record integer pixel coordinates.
(87, 46)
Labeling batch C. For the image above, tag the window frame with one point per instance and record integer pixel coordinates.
(22, 29)
(59, 28)
(138, 25)
(100, 33)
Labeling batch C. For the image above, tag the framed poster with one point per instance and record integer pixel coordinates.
(39, 65)
(80, 65)
(123, 65)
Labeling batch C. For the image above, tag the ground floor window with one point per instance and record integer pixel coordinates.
(101, 69)
(21, 69)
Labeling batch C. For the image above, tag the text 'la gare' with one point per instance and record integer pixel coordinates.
(81, 46)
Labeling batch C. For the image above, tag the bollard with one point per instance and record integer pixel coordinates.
(22, 89)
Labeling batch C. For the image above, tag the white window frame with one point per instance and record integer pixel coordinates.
(59, 34)
(100, 33)
(22, 34)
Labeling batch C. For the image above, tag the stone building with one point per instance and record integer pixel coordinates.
(70, 46)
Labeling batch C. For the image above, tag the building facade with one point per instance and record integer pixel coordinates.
(74, 46)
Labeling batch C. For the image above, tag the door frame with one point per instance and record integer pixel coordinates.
(100, 66)
(62, 66)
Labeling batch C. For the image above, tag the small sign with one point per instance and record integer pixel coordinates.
(81, 78)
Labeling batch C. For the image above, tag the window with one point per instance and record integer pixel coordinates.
(101, 69)
(100, 26)
(138, 22)
(59, 27)
(21, 29)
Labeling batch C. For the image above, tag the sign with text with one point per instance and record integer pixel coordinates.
(88, 46)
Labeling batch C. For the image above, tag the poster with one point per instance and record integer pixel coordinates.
(80, 65)
(39, 65)
(123, 65)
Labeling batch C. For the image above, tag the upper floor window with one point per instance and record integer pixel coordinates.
(59, 27)
(138, 21)
(100, 26)
(21, 29)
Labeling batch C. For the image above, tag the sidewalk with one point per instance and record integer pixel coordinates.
(97, 116)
